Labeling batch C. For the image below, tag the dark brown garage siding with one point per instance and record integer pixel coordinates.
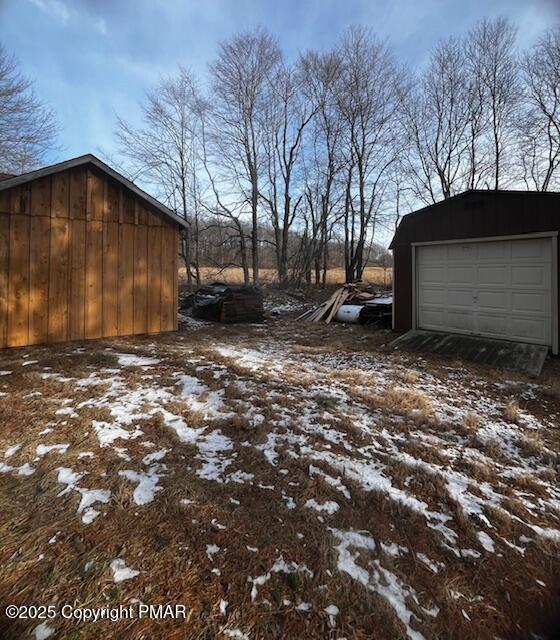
(474, 214)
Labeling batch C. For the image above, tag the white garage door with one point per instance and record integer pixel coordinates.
(499, 289)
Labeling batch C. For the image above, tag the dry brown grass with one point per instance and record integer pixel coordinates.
(472, 420)
(167, 541)
(234, 275)
(511, 411)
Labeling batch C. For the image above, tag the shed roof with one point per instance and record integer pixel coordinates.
(105, 168)
(503, 211)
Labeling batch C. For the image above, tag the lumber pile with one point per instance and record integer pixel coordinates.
(359, 293)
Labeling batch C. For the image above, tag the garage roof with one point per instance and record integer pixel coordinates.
(96, 162)
(481, 212)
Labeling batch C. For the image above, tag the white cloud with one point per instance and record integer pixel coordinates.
(55, 8)
(100, 26)
(64, 14)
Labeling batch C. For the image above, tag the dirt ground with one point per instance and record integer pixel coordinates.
(281, 480)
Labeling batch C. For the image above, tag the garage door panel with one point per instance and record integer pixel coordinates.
(530, 275)
(490, 251)
(492, 299)
(501, 289)
(433, 318)
(531, 328)
(460, 320)
(434, 253)
(493, 325)
(463, 274)
(533, 248)
(460, 297)
(527, 302)
(434, 275)
(492, 275)
(466, 252)
(432, 296)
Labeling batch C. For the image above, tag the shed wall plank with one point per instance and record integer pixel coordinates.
(126, 280)
(110, 278)
(77, 281)
(5, 200)
(18, 286)
(140, 279)
(4, 276)
(41, 197)
(78, 193)
(60, 194)
(39, 256)
(94, 279)
(58, 280)
(154, 280)
(175, 302)
(95, 196)
(167, 282)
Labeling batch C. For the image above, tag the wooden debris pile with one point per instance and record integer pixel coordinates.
(228, 303)
(359, 293)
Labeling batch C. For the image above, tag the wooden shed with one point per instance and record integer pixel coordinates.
(84, 253)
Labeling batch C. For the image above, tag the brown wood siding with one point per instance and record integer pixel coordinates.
(474, 214)
(83, 257)
(40, 250)
(4, 276)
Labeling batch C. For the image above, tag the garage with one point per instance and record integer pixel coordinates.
(482, 264)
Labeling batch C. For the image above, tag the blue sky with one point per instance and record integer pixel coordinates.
(92, 58)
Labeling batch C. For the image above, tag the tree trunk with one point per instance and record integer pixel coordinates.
(255, 223)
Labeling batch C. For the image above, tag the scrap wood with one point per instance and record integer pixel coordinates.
(347, 294)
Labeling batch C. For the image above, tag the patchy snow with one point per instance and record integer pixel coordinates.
(146, 482)
(354, 423)
(236, 634)
(43, 631)
(107, 433)
(121, 572)
(66, 411)
(43, 449)
(89, 497)
(279, 566)
(200, 398)
(486, 541)
(211, 447)
(10, 451)
(377, 578)
(211, 550)
(134, 360)
(329, 506)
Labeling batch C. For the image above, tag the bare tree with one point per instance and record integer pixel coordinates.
(165, 153)
(28, 129)
(240, 84)
(437, 118)
(323, 161)
(222, 206)
(540, 135)
(288, 113)
(493, 62)
(369, 96)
